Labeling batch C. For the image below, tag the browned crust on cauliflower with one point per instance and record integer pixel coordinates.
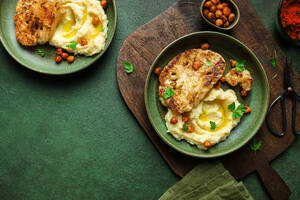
(190, 84)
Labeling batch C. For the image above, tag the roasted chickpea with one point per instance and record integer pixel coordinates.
(220, 6)
(196, 65)
(59, 51)
(244, 93)
(157, 71)
(225, 4)
(204, 46)
(190, 128)
(104, 3)
(248, 109)
(218, 14)
(226, 11)
(205, 12)
(58, 59)
(233, 63)
(223, 18)
(174, 120)
(226, 24)
(231, 17)
(211, 16)
(83, 42)
(208, 4)
(95, 21)
(215, 1)
(213, 9)
(64, 55)
(185, 119)
(70, 59)
(219, 22)
(207, 144)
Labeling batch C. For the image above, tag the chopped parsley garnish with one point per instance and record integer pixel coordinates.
(102, 29)
(185, 127)
(212, 125)
(129, 67)
(41, 52)
(231, 107)
(238, 112)
(209, 64)
(240, 66)
(168, 93)
(255, 145)
(273, 60)
(72, 45)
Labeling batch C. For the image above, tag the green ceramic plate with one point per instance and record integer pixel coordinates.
(28, 56)
(257, 99)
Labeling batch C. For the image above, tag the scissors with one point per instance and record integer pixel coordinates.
(289, 92)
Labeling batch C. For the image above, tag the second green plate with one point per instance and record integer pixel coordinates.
(28, 57)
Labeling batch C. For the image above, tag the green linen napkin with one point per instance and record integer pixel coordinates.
(208, 181)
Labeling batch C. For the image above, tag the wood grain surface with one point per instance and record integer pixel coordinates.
(143, 45)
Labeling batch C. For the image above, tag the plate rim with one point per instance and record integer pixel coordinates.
(97, 57)
(265, 77)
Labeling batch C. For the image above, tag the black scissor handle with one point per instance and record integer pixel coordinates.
(294, 108)
(283, 113)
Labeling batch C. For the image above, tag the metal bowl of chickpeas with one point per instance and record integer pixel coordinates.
(221, 14)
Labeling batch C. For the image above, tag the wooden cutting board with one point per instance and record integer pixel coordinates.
(143, 45)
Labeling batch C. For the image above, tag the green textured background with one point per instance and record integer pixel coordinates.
(72, 137)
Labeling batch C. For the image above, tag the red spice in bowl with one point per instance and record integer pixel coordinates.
(290, 18)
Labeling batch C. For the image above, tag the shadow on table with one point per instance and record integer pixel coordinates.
(55, 81)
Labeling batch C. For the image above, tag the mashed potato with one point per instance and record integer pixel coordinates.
(77, 24)
(212, 108)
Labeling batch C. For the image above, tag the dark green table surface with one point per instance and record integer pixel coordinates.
(72, 137)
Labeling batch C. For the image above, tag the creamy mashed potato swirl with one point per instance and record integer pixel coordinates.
(212, 108)
(76, 25)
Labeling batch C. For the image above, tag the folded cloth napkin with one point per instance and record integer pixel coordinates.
(208, 181)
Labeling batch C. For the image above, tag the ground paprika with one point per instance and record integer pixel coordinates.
(290, 18)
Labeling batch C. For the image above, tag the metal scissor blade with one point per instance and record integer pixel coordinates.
(287, 74)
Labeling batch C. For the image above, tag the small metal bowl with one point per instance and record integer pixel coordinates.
(280, 28)
(234, 8)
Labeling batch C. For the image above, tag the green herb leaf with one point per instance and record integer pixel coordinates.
(102, 29)
(185, 127)
(236, 115)
(240, 66)
(41, 52)
(129, 67)
(255, 145)
(231, 107)
(273, 60)
(239, 112)
(168, 93)
(241, 108)
(72, 45)
(209, 64)
(212, 125)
